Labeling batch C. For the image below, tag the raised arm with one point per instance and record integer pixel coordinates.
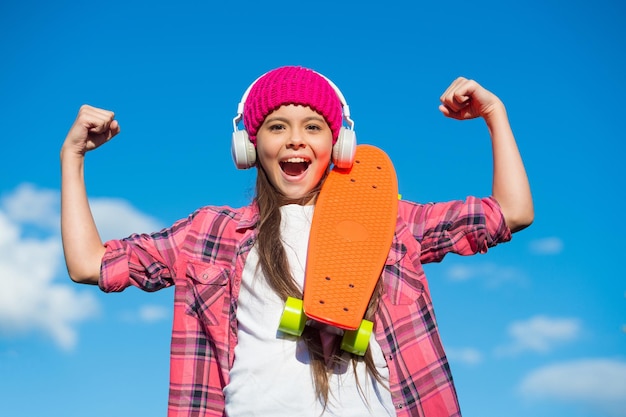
(466, 99)
(82, 245)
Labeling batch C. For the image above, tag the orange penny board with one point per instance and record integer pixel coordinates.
(351, 233)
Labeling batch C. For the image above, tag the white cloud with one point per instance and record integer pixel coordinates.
(597, 384)
(30, 205)
(116, 218)
(547, 246)
(29, 299)
(36, 296)
(467, 356)
(490, 274)
(151, 313)
(540, 334)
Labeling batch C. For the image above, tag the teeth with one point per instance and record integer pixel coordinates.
(295, 160)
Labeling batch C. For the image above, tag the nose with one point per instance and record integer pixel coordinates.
(296, 140)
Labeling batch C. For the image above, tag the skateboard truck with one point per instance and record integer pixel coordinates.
(294, 320)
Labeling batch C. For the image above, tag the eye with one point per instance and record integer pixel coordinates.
(276, 127)
(313, 127)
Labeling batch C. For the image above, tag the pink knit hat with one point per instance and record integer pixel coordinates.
(291, 85)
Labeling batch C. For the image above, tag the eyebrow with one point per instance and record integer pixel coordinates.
(286, 120)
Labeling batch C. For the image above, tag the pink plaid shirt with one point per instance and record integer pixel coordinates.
(204, 256)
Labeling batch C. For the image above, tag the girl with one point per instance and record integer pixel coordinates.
(234, 268)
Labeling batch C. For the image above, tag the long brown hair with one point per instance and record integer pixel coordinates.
(275, 267)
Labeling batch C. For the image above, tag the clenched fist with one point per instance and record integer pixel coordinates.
(466, 99)
(92, 128)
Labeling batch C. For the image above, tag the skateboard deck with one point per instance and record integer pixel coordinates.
(351, 233)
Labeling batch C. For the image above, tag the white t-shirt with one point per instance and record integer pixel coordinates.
(271, 374)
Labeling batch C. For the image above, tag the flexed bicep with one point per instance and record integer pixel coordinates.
(82, 245)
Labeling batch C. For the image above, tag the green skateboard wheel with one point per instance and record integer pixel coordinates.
(293, 319)
(356, 341)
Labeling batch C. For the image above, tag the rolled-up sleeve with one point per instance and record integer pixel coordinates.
(114, 270)
(462, 227)
(146, 261)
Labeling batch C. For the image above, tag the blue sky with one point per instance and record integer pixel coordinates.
(535, 327)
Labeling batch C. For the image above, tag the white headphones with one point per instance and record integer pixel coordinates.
(244, 152)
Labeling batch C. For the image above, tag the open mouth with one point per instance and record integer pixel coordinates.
(294, 166)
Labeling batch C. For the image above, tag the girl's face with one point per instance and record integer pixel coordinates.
(294, 146)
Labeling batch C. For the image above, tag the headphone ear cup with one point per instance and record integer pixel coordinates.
(242, 150)
(344, 149)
